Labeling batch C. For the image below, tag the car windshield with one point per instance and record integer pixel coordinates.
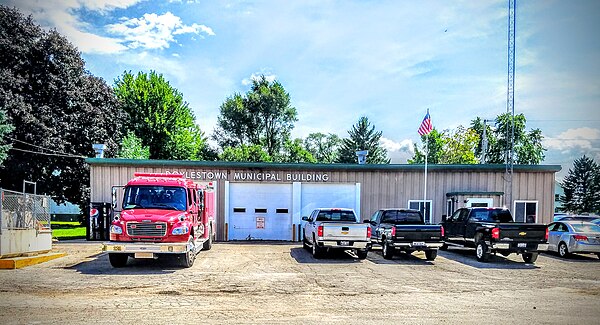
(402, 217)
(154, 197)
(336, 215)
(586, 228)
(492, 215)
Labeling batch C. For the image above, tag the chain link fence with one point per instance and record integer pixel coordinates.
(24, 211)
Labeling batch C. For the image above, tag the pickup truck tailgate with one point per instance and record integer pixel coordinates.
(421, 233)
(523, 232)
(345, 231)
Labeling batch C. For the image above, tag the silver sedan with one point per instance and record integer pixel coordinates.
(566, 237)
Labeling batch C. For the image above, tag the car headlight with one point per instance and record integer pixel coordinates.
(116, 230)
(181, 230)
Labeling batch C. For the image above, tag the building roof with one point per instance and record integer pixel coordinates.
(307, 166)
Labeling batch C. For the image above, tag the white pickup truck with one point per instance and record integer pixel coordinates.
(332, 228)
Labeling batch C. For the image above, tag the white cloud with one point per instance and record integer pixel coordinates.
(256, 76)
(581, 138)
(391, 145)
(153, 31)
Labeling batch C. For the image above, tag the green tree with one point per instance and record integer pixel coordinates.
(323, 147)
(294, 152)
(363, 137)
(5, 129)
(253, 153)
(262, 117)
(435, 148)
(582, 187)
(528, 147)
(460, 146)
(132, 148)
(159, 116)
(57, 108)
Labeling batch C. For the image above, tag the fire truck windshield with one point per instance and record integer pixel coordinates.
(154, 197)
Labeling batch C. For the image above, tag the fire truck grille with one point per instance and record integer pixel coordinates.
(154, 229)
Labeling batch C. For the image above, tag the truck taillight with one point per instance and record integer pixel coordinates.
(368, 232)
(443, 231)
(393, 231)
(320, 231)
(496, 233)
(546, 235)
(580, 237)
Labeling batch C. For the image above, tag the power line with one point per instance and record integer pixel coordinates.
(49, 154)
(33, 145)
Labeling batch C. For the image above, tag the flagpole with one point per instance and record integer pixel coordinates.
(425, 187)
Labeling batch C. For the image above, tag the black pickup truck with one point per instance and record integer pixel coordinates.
(492, 230)
(405, 230)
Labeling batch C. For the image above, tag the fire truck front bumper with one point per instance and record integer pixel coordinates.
(159, 248)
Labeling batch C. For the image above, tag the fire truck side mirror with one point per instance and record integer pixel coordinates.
(201, 199)
(114, 198)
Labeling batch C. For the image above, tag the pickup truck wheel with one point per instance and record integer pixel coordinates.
(362, 253)
(563, 250)
(387, 252)
(118, 259)
(207, 245)
(431, 255)
(481, 252)
(188, 258)
(530, 257)
(444, 247)
(317, 252)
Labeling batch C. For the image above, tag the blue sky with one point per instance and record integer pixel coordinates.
(339, 60)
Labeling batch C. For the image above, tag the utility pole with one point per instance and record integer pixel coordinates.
(484, 142)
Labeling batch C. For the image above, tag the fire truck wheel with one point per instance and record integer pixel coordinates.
(117, 259)
(187, 258)
(207, 245)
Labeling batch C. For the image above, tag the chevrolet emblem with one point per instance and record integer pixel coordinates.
(522, 233)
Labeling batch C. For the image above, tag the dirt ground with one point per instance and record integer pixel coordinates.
(280, 283)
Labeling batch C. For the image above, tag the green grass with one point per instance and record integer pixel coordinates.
(67, 230)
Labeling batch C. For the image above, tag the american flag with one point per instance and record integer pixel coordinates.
(426, 126)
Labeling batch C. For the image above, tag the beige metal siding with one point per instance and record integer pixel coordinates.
(379, 189)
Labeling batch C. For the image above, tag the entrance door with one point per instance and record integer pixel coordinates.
(260, 211)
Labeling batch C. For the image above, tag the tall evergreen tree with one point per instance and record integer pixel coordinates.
(363, 137)
(582, 187)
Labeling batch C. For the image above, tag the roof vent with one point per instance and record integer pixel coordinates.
(362, 156)
(99, 149)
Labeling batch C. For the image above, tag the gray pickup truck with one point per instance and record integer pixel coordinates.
(329, 229)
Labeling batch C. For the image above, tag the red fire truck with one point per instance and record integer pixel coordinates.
(161, 214)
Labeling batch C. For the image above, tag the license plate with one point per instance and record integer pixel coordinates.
(418, 243)
(522, 245)
(144, 255)
(344, 243)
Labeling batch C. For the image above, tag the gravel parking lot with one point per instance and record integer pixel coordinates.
(280, 283)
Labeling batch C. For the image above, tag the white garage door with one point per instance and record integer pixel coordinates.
(328, 196)
(260, 211)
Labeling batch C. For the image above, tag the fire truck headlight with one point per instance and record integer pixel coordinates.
(182, 230)
(116, 230)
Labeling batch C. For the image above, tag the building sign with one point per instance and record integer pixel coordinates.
(260, 222)
(273, 176)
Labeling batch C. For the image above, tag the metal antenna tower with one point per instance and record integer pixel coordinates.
(510, 101)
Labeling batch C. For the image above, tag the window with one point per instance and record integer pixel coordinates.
(239, 210)
(281, 210)
(402, 217)
(525, 211)
(260, 210)
(336, 216)
(375, 215)
(424, 208)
